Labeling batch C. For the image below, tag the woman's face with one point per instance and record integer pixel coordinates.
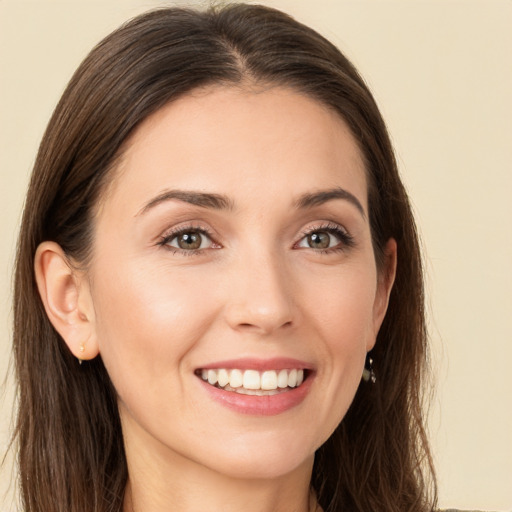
(233, 245)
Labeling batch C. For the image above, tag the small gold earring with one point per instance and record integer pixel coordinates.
(82, 350)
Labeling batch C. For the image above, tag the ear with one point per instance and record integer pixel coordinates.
(385, 281)
(67, 299)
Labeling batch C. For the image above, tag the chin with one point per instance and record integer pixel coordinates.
(264, 468)
(262, 460)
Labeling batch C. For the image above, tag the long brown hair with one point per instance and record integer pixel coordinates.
(71, 456)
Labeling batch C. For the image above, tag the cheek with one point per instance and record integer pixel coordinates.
(342, 303)
(147, 319)
(342, 317)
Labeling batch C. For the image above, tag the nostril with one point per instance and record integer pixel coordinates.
(255, 314)
(267, 327)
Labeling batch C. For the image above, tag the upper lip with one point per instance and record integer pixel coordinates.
(276, 363)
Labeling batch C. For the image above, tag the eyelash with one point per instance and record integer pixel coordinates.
(166, 239)
(346, 240)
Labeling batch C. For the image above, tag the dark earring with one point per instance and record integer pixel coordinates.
(368, 373)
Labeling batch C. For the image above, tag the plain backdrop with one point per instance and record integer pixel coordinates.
(441, 72)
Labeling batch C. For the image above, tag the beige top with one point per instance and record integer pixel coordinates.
(458, 510)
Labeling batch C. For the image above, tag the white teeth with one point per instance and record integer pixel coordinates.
(236, 379)
(222, 378)
(252, 381)
(282, 379)
(269, 380)
(212, 377)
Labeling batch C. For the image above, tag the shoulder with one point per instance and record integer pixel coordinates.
(457, 510)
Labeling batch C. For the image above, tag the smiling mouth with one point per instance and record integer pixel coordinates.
(253, 382)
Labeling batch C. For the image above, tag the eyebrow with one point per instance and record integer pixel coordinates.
(323, 196)
(221, 202)
(202, 199)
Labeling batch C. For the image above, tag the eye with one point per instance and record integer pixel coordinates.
(325, 238)
(188, 240)
(191, 240)
(319, 240)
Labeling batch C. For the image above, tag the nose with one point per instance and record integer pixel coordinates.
(260, 297)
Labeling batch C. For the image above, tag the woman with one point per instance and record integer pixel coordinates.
(218, 288)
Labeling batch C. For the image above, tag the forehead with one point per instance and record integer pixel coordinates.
(219, 138)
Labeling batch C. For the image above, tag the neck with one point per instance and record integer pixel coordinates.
(232, 498)
(218, 493)
(160, 481)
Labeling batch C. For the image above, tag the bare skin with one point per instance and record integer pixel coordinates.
(235, 235)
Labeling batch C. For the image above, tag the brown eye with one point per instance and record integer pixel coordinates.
(326, 238)
(190, 240)
(319, 240)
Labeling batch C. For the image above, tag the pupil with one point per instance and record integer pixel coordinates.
(189, 241)
(319, 240)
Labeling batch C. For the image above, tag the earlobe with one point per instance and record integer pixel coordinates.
(66, 299)
(385, 283)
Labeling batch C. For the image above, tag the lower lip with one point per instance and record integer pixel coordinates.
(267, 405)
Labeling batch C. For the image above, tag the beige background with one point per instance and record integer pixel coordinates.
(442, 74)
